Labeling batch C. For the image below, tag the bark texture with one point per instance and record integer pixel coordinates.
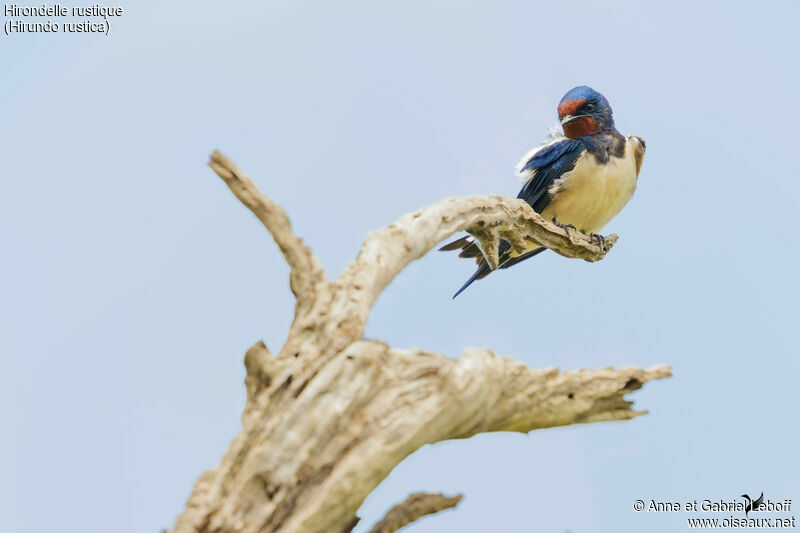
(413, 508)
(332, 414)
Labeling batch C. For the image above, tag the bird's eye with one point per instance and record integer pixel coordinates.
(589, 107)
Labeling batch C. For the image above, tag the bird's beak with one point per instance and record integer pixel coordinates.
(569, 118)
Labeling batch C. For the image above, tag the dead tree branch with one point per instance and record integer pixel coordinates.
(332, 414)
(387, 251)
(416, 506)
(306, 273)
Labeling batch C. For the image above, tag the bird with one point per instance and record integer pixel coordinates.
(580, 177)
(753, 505)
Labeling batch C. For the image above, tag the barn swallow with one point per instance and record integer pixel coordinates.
(579, 179)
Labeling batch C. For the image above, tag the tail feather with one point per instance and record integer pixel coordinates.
(456, 244)
(468, 247)
(505, 262)
(482, 271)
(471, 250)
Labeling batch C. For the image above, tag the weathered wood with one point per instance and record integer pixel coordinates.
(332, 414)
(413, 508)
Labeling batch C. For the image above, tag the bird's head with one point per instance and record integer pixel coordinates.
(584, 111)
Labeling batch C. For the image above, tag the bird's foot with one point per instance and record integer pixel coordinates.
(565, 227)
(600, 239)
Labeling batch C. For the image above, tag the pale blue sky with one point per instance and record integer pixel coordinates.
(132, 282)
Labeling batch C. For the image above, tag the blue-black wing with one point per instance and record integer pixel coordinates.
(544, 167)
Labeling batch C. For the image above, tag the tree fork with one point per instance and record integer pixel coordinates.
(329, 417)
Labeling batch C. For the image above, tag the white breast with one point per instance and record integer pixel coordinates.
(591, 194)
